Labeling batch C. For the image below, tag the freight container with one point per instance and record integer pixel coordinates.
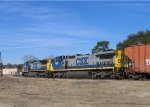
(139, 56)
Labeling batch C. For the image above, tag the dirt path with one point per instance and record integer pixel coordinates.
(34, 92)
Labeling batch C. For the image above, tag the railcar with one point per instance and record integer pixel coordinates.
(137, 61)
(104, 64)
(36, 68)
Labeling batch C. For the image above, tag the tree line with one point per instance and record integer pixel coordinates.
(142, 37)
(9, 65)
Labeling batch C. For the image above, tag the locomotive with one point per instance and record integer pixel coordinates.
(104, 64)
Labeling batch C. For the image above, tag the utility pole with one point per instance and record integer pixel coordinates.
(1, 66)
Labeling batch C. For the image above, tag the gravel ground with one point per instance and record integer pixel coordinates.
(35, 92)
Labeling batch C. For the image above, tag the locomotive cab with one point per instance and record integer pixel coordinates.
(119, 66)
(118, 59)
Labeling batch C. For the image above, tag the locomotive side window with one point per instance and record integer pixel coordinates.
(64, 57)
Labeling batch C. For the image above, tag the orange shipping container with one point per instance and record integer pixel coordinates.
(140, 55)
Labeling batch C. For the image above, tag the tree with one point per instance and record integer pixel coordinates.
(9, 65)
(29, 58)
(120, 45)
(101, 46)
(20, 66)
(142, 37)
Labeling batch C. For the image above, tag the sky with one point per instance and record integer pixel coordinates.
(44, 29)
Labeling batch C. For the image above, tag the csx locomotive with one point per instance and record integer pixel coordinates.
(104, 64)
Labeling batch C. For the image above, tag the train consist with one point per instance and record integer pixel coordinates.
(133, 62)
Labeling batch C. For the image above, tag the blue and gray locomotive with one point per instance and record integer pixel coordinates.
(105, 64)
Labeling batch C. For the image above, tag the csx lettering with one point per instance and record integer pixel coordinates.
(82, 61)
(147, 61)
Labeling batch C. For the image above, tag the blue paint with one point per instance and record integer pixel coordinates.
(84, 66)
(90, 66)
(82, 61)
(57, 63)
(26, 66)
(35, 66)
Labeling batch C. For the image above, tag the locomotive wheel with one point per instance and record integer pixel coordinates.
(64, 75)
(93, 75)
(130, 76)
